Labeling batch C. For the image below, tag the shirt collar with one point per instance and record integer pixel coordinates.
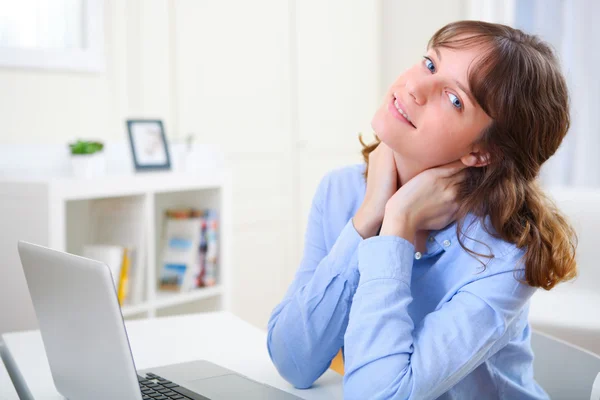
(441, 240)
(446, 238)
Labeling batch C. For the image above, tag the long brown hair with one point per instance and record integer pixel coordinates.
(518, 83)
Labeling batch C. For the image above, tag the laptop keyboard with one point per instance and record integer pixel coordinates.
(154, 387)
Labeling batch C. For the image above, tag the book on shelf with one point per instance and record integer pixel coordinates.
(123, 288)
(125, 268)
(190, 250)
(136, 276)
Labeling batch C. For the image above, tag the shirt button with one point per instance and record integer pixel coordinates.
(418, 255)
(446, 243)
(431, 239)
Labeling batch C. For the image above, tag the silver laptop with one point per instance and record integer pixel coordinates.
(87, 346)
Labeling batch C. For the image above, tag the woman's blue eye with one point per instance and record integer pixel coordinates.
(429, 64)
(455, 101)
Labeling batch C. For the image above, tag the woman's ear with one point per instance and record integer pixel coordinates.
(476, 159)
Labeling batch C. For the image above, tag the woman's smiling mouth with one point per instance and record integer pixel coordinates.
(399, 113)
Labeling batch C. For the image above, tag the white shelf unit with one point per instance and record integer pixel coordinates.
(66, 213)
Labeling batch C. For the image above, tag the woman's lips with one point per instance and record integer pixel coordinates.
(396, 113)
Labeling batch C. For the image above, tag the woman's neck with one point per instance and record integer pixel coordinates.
(420, 242)
(406, 170)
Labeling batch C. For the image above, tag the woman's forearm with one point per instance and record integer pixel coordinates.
(307, 328)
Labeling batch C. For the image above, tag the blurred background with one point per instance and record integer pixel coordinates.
(258, 100)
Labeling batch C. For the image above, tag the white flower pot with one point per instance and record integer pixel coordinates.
(88, 165)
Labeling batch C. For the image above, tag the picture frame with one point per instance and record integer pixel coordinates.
(149, 147)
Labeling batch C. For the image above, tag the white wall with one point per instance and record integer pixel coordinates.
(283, 87)
(406, 29)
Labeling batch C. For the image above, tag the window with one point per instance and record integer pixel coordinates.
(52, 34)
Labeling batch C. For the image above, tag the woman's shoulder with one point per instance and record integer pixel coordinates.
(352, 172)
(339, 196)
(341, 184)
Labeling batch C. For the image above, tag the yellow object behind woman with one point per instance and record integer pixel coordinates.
(337, 364)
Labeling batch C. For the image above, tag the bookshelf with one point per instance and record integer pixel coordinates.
(64, 213)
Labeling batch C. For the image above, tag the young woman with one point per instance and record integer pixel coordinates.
(420, 265)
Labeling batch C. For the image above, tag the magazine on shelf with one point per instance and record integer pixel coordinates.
(189, 257)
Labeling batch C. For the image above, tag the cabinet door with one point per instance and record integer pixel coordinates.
(232, 85)
(338, 46)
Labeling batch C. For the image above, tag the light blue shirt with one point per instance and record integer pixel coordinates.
(438, 326)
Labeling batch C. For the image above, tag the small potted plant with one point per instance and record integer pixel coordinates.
(87, 158)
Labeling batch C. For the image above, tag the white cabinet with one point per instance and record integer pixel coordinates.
(66, 213)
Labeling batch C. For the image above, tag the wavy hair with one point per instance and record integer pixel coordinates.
(518, 83)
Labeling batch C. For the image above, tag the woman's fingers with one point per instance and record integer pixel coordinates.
(451, 169)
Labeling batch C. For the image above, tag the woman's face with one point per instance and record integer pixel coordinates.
(445, 120)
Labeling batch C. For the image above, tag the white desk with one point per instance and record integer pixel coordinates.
(7, 390)
(218, 337)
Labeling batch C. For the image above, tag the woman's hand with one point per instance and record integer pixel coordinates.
(426, 202)
(382, 183)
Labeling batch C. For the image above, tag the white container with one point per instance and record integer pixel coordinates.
(179, 157)
(88, 165)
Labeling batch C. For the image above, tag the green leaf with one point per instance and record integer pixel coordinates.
(85, 147)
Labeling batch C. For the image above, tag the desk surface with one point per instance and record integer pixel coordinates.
(218, 337)
(7, 390)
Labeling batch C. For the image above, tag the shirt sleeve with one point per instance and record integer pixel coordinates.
(386, 356)
(306, 330)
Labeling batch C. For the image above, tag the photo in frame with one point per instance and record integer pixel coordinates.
(149, 147)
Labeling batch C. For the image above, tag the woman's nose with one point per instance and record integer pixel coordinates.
(419, 90)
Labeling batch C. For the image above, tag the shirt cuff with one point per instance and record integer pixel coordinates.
(385, 257)
(343, 251)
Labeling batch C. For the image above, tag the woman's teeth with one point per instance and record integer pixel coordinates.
(401, 112)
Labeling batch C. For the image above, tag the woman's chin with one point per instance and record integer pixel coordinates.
(385, 126)
(380, 125)
(384, 132)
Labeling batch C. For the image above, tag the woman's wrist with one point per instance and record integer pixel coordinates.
(366, 223)
(401, 226)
